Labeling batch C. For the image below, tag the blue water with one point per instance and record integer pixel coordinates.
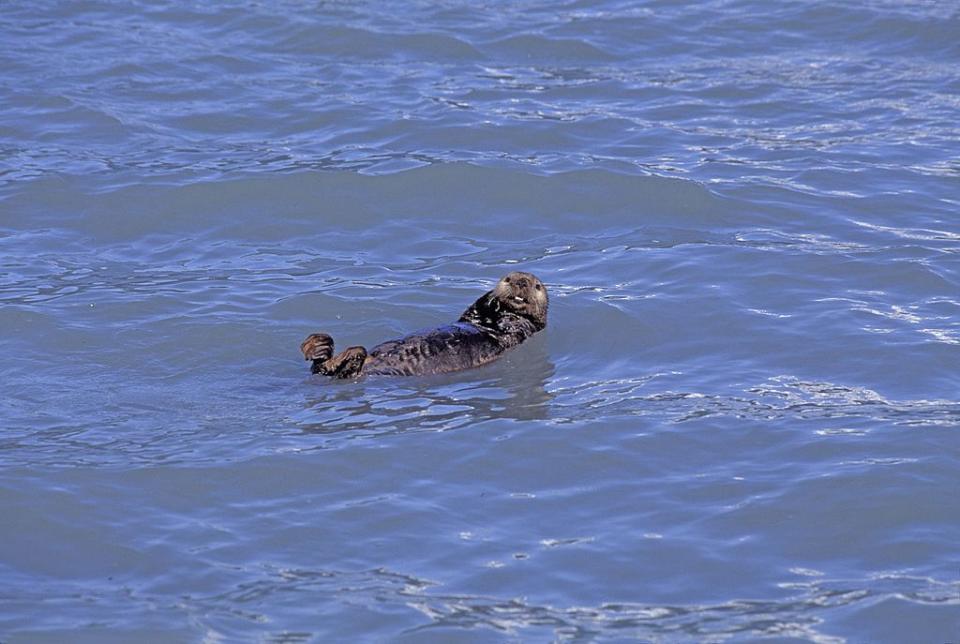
(740, 424)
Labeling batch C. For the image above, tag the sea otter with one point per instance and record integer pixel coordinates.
(503, 318)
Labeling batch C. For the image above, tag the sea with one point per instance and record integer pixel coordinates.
(741, 424)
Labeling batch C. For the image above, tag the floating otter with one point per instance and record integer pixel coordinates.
(503, 318)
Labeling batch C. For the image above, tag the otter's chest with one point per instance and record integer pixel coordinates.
(441, 350)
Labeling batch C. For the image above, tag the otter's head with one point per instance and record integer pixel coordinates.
(523, 294)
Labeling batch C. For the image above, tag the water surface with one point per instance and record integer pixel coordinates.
(740, 424)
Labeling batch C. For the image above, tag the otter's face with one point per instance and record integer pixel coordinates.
(523, 294)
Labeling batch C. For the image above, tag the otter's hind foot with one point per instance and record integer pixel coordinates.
(348, 364)
(317, 347)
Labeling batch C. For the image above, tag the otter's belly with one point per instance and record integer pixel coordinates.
(447, 348)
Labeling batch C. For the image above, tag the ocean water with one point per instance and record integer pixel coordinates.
(741, 423)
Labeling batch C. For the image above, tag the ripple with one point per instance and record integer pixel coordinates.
(344, 41)
(802, 614)
(540, 47)
(232, 104)
(780, 398)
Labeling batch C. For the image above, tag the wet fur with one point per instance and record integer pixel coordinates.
(501, 319)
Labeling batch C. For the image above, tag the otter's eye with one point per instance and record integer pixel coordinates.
(538, 287)
(506, 279)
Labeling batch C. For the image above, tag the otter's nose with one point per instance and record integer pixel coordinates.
(523, 282)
